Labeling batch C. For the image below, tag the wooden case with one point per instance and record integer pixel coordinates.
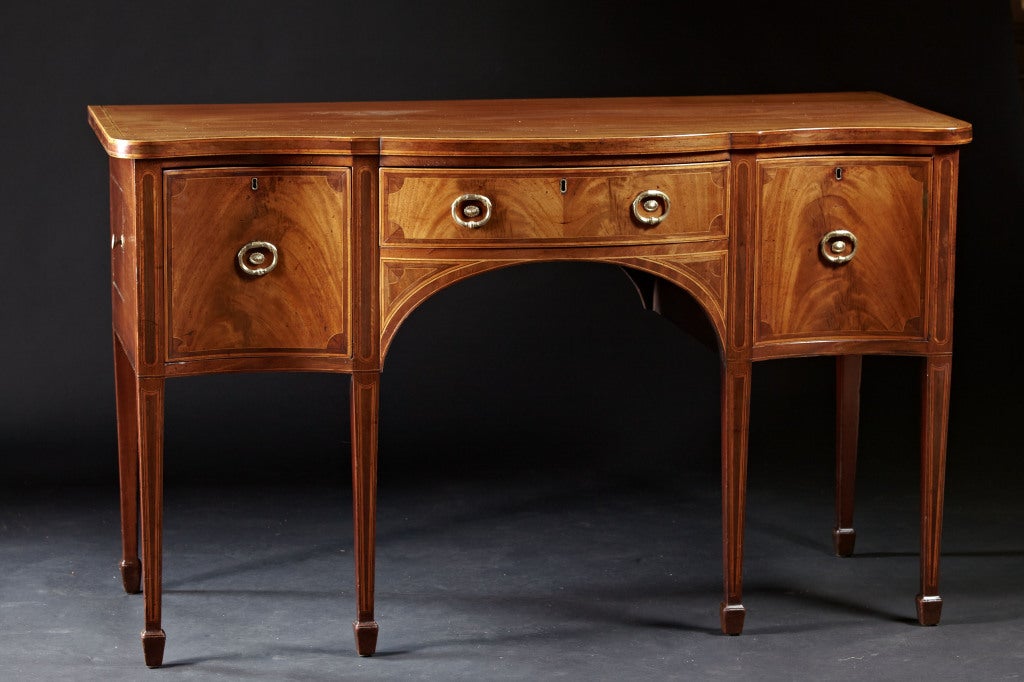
(356, 201)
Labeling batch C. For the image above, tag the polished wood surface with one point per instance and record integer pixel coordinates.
(362, 203)
(606, 126)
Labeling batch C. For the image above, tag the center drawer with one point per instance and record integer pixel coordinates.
(549, 206)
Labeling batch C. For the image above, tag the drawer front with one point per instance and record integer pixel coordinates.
(257, 261)
(579, 206)
(841, 247)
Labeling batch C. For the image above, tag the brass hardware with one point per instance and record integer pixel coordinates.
(255, 184)
(839, 173)
(116, 240)
(470, 206)
(838, 246)
(256, 254)
(650, 200)
(563, 185)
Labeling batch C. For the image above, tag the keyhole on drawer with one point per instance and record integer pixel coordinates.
(563, 185)
(255, 184)
(839, 173)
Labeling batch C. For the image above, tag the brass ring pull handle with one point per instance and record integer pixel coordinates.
(646, 207)
(472, 211)
(839, 246)
(252, 258)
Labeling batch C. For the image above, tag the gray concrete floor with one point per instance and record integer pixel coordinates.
(529, 577)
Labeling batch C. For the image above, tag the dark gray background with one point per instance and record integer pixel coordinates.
(538, 367)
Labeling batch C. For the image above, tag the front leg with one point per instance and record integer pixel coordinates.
(934, 424)
(150, 401)
(365, 403)
(736, 377)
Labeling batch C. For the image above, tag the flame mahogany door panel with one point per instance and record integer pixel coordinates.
(257, 261)
(876, 211)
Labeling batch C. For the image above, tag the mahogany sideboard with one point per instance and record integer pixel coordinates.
(298, 237)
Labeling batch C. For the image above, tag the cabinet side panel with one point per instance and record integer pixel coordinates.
(124, 257)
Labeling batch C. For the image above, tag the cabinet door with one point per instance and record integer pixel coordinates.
(257, 261)
(841, 248)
